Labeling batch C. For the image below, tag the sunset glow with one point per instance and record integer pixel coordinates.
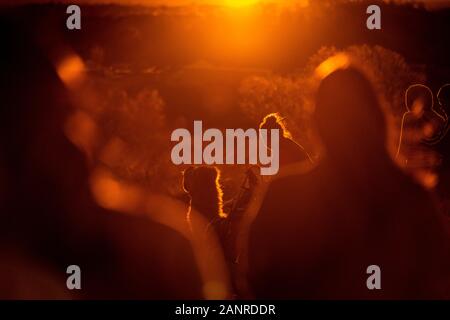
(241, 3)
(244, 151)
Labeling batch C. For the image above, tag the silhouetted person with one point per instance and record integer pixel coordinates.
(203, 186)
(316, 234)
(290, 151)
(49, 219)
(421, 127)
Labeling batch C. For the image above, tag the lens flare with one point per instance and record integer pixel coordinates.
(339, 61)
(71, 70)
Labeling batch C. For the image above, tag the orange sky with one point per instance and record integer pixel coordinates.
(148, 2)
(183, 2)
(428, 3)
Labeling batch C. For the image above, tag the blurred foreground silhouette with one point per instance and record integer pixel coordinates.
(317, 233)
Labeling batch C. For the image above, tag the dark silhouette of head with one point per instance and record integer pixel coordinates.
(349, 118)
(274, 121)
(202, 185)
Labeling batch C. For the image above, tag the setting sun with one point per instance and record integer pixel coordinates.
(240, 3)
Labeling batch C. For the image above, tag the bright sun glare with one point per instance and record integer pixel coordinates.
(240, 3)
